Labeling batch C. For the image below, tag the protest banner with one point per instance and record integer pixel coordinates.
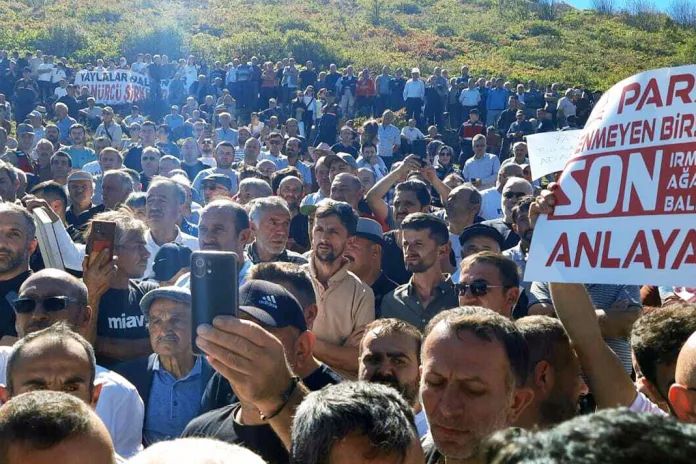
(115, 87)
(626, 207)
(550, 151)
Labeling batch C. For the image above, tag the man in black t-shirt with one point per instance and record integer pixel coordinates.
(17, 243)
(121, 331)
(280, 313)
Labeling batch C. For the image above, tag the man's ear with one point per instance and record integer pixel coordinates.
(512, 295)
(310, 314)
(84, 321)
(96, 393)
(4, 394)
(543, 377)
(246, 236)
(304, 347)
(32, 246)
(521, 398)
(514, 227)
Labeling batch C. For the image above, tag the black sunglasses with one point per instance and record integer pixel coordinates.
(477, 287)
(509, 195)
(50, 304)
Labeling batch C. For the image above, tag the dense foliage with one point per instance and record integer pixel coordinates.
(519, 39)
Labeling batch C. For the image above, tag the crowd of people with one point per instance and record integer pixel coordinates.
(383, 312)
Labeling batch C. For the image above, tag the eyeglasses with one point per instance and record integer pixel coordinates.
(477, 287)
(276, 142)
(50, 304)
(510, 195)
(445, 153)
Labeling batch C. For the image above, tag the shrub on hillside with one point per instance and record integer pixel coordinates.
(62, 39)
(167, 39)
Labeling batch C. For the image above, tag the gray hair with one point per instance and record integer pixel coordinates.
(196, 451)
(259, 206)
(126, 180)
(174, 159)
(260, 185)
(126, 225)
(179, 190)
(328, 416)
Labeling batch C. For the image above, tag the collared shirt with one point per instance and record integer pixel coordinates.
(80, 156)
(403, 303)
(252, 254)
(305, 171)
(185, 280)
(388, 136)
(229, 135)
(379, 169)
(603, 296)
(119, 407)
(312, 198)
(484, 168)
(173, 402)
(497, 99)
(346, 306)
(181, 238)
(491, 204)
(470, 97)
(414, 89)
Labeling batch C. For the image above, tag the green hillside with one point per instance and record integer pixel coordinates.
(519, 39)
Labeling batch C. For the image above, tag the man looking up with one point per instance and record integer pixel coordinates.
(190, 163)
(346, 304)
(270, 221)
(390, 354)
(425, 243)
(224, 157)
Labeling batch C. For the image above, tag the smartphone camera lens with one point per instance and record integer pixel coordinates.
(199, 267)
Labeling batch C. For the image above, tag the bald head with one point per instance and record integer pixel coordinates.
(682, 394)
(56, 279)
(196, 451)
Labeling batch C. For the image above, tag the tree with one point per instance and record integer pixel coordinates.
(604, 7)
(683, 12)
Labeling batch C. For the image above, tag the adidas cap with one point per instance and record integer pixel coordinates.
(271, 305)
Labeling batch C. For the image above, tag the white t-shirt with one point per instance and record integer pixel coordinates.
(491, 204)
(412, 133)
(46, 77)
(119, 407)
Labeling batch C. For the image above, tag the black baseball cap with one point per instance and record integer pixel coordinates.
(170, 259)
(271, 305)
(220, 179)
(476, 230)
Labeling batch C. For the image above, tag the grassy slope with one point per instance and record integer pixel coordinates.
(577, 47)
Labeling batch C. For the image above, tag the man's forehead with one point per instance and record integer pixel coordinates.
(48, 286)
(479, 271)
(46, 352)
(377, 341)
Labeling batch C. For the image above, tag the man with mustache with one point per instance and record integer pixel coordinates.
(390, 355)
(52, 296)
(172, 380)
(224, 226)
(165, 203)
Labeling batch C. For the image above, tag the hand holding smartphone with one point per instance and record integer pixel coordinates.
(102, 237)
(214, 288)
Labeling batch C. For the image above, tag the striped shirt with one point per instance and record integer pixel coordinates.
(603, 297)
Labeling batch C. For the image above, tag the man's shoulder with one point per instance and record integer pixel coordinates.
(296, 258)
(114, 383)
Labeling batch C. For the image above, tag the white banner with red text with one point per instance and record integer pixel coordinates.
(626, 207)
(115, 87)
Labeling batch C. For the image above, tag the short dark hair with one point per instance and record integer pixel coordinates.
(41, 420)
(136, 200)
(658, 337)
(78, 126)
(488, 326)
(509, 275)
(51, 191)
(610, 435)
(346, 214)
(418, 187)
(281, 174)
(435, 225)
(544, 335)
(329, 415)
(368, 145)
(287, 275)
(59, 332)
(522, 207)
(241, 217)
(62, 154)
(390, 326)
